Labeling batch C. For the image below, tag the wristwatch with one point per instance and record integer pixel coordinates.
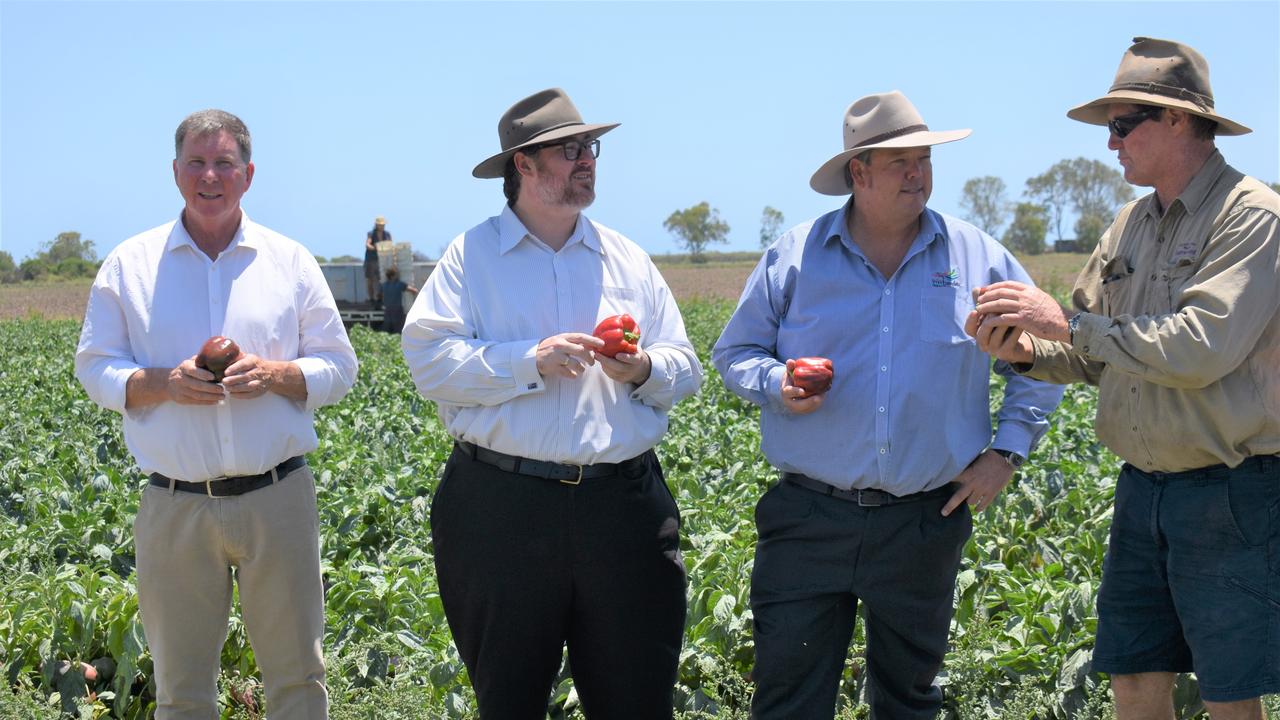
(1014, 459)
(1072, 325)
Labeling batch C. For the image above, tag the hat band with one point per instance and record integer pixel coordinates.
(892, 134)
(544, 131)
(1204, 102)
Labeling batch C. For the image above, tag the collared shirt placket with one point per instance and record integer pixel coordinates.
(884, 361)
(566, 391)
(217, 319)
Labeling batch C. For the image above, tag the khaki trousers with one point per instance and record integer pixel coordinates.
(187, 545)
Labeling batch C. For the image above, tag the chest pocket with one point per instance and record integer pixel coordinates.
(1174, 278)
(942, 315)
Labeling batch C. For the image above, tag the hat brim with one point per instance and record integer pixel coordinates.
(1095, 112)
(493, 167)
(829, 179)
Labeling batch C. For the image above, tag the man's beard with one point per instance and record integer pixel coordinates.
(565, 193)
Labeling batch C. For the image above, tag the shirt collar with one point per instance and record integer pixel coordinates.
(1196, 191)
(511, 231)
(930, 228)
(179, 237)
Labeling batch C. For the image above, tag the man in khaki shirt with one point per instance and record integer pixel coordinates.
(1175, 319)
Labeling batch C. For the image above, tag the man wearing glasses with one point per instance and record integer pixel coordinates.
(552, 524)
(1174, 318)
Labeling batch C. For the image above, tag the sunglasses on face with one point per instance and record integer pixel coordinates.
(572, 149)
(1122, 125)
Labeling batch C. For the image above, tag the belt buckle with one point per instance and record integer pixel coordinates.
(208, 488)
(573, 481)
(862, 503)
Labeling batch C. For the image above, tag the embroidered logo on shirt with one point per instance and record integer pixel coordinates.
(1185, 253)
(951, 278)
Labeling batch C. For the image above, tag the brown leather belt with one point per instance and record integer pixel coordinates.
(231, 486)
(864, 497)
(564, 472)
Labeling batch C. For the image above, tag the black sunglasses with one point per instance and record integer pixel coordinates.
(572, 148)
(1122, 125)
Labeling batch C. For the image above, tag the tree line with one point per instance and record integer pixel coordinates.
(66, 256)
(1088, 190)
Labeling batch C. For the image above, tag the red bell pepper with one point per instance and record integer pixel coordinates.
(620, 335)
(812, 374)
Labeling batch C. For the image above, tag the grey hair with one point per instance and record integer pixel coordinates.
(209, 121)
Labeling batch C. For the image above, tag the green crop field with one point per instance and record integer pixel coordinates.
(1022, 635)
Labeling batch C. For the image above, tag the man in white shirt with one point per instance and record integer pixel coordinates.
(229, 492)
(552, 524)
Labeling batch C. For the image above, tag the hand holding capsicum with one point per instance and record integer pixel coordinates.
(796, 398)
(622, 358)
(567, 355)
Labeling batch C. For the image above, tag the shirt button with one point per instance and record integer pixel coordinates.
(884, 368)
(1135, 428)
(1160, 239)
(887, 291)
(1133, 389)
(882, 408)
(883, 451)
(884, 329)
(1153, 276)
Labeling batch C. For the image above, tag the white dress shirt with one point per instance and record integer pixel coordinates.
(158, 297)
(471, 337)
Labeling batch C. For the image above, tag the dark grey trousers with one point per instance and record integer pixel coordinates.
(816, 558)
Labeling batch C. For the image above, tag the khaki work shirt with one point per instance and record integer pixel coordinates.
(1181, 332)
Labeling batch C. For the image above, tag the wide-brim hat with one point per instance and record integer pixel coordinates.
(542, 117)
(883, 120)
(379, 220)
(1162, 73)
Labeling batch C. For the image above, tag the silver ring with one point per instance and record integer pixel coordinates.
(565, 363)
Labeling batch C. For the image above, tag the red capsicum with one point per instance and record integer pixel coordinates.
(620, 335)
(812, 374)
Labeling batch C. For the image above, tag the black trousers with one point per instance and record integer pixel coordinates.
(528, 565)
(817, 557)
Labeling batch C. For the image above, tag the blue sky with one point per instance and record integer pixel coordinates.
(364, 109)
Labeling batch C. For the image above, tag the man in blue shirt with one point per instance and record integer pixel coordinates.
(879, 470)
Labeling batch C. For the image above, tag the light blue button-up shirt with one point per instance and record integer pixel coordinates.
(909, 408)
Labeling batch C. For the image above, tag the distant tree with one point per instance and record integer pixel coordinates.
(1089, 229)
(771, 221)
(68, 245)
(984, 203)
(1097, 192)
(1052, 190)
(1276, 186)
(697, 227)
(320, 259)
(33, 269)
(1026, 233)
(345, 259)
(8, 269)
(419, 256)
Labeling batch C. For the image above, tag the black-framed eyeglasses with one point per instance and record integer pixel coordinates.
(572, 148)
(1122, 125)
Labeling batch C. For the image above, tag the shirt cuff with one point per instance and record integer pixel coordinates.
(659, 378)
(1014, 437)
(315, 376)
(1089, 333)
(115, 389)
(773, 387)
(524, 370)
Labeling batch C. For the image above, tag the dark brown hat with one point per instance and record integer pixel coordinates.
(542, 117)
(1162, 73)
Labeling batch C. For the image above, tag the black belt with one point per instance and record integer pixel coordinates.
(865, 498)
(564, 472)
(230, 486)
